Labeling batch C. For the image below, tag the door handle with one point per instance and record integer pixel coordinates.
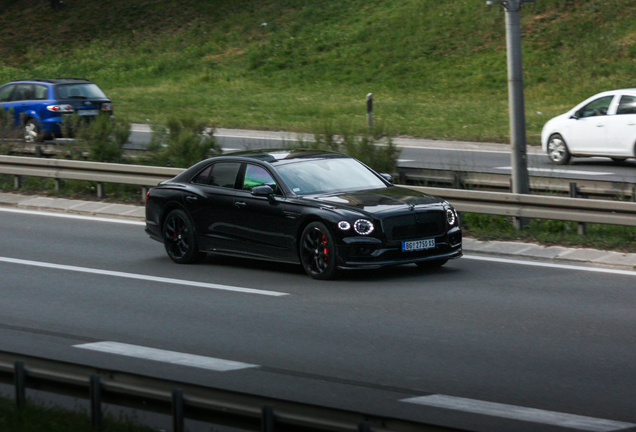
(192, 198)
(240, 204)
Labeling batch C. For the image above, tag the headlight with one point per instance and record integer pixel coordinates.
(363, 227)
(344, 225)
(451, 216)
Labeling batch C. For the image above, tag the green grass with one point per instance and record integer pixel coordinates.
(38, 418)
(550, 233)
(437, 69)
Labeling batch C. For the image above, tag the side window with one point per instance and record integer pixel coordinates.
(224, 174)
(23, 92)
(597, 107)
(5, 93)
(257, 176)
(203, 176)
(627, 105)
(41, 92)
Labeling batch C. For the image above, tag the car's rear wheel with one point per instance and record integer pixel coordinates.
(558, 151)
(431, 264)
(179, 238)
(32, 131)
(318, 251)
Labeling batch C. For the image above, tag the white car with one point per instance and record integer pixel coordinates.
(603, 125)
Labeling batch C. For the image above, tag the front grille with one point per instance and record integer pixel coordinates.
(414, 225)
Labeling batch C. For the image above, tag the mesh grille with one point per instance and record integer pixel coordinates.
(411, 226)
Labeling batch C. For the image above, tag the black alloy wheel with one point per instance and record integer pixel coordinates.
(431, 264)
(179, 238)
(318, 251)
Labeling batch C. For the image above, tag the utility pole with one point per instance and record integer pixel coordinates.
(519, 156)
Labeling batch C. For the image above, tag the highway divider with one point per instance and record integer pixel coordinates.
(183, 400)
(611, 212)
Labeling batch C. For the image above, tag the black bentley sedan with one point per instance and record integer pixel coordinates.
(323, 210)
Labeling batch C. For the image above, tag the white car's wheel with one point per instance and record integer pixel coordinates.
(558, 151)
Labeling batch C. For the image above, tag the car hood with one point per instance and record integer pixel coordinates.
(379, 201)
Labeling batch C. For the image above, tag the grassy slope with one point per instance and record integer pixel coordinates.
(437, 68)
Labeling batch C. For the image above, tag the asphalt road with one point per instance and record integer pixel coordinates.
(457, 156)
(544, 342)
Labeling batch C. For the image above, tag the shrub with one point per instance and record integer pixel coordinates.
(374, 148)
(101, 140)
(182, 142)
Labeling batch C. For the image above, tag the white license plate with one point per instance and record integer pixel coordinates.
(416, 245)
(87, 112)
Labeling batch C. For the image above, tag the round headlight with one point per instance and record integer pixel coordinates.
(451, 217)
(363, 227)
(344, 225)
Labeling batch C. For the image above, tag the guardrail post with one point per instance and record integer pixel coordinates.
(95, 390)
(58, 184)
(364, 427)
(178, 424)
(581, 227)
(633, 193)
(100, 190)
(144, 191)
(267, 420)
(17, 182)
(19, 380)
(370, 111)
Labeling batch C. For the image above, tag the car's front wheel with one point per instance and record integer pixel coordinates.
(179, 238)
(558, 151)
(318, 251)
(32, 132)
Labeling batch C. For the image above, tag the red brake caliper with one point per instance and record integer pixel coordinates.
(325, 249)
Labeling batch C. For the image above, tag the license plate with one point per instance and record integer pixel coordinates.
(416, 245)
(87, 112)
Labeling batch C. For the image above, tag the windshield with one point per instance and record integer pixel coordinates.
(328, 176)
(79, 91)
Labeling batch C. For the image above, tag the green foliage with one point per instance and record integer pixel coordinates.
(373, 148)
(101, 140)
(35, 418)
(182, 142)
(438, 69)
(7, 130)
(550, 232)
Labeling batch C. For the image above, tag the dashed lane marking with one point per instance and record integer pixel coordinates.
(142, 277)
(520, 413)
(160, 355)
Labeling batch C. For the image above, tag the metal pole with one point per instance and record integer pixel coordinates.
(370, 111)
(518, 157)
(20, 384)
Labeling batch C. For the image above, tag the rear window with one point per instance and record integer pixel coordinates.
(79, 91)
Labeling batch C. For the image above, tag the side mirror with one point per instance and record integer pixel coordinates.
(264, 191)
(387, 177)
(576, 115)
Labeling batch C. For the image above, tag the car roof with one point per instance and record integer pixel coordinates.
(284, 156)
(56, 80)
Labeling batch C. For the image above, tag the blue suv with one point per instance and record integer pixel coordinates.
(39, 105)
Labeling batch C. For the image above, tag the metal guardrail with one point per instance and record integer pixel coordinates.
(181, 400)
(501, 182)
(473, 201)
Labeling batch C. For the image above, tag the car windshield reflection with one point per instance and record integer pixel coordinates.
(335, 175)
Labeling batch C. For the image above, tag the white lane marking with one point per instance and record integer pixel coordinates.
(73, 216)
(561, 171)
(553, 265)
(141, 277)
(160, 355)
(520, 413)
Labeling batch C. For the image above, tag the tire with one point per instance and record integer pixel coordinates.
(179, 238)
(317, 251)
(558, 150)
(431, 264)
(32, 132)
